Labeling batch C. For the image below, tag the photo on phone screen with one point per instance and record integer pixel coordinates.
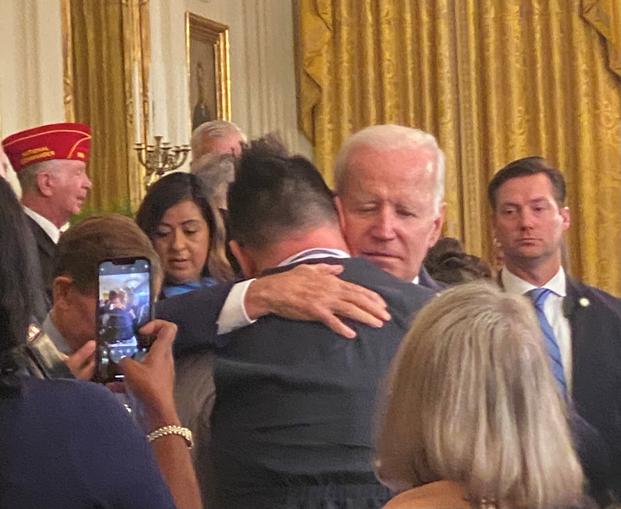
(124, 305)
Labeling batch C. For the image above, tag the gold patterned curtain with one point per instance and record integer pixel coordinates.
(605, 17)
(106, 69)
(494, 81)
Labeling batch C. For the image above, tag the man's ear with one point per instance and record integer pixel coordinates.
(564, 211)
(61, 291)
(493, 222)
(438, 221)
(45, 183)
(244, 258)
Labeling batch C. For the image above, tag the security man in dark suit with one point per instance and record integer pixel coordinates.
(292, 423)
(50, 162)
(582, 324)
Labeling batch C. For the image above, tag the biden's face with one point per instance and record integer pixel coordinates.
(387, 207)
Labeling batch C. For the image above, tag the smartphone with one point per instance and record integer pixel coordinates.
(124, 305)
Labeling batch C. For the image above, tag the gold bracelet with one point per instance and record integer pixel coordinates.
(172, 429)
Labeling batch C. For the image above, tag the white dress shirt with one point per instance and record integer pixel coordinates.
(48, 227)
(553, 309)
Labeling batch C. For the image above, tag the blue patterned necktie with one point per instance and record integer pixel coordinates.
(539, 296)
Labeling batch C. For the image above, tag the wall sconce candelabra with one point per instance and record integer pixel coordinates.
(160, 158)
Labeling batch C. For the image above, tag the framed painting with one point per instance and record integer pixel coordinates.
(207, 46)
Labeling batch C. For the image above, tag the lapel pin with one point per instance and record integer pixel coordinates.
(584, 302)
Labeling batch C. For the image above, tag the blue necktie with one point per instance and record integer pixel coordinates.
(539, 296)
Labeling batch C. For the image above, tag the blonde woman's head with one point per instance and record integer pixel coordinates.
(471, 399)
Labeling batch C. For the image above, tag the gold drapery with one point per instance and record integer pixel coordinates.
(605, 16)
(494, 81)
(106, 74)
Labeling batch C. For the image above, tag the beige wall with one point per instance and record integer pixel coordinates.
(261, 54)
(31, 85)
(262, 73)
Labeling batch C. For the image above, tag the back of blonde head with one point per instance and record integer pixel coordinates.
(471, 399)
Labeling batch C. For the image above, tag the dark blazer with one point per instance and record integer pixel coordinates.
(595, 321)
(47, 250)
(106, 461)
(295, 405)
(425, 279)
(195, 314)
(39, 249)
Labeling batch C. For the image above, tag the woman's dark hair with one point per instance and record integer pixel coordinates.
(176, 188)
(17, 265)
(447, 262)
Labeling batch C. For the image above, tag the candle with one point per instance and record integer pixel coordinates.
(137, 105)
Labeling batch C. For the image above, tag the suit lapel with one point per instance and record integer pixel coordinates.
(44, 243)
(424, 279)
(578, 316)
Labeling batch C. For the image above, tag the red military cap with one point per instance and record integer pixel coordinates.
(52, 141)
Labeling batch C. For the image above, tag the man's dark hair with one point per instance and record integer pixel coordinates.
(448, 262)
(275, 194)
(523, 168)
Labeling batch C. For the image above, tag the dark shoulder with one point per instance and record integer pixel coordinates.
(585, 296)
(358, 269)
(197, 299)
(84, 409)
(68, 390)
(61, 401)
(34, 226)
(425, 279)
(37, 230)
(401, 296)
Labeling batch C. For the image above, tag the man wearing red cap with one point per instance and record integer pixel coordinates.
(50, 162)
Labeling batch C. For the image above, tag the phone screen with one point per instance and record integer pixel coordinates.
(124, 305)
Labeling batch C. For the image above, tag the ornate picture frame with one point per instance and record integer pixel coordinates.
(207, 54)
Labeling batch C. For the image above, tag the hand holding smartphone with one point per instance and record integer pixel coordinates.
(151, 382)
(124, 305)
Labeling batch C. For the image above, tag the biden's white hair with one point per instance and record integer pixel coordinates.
(388, 137)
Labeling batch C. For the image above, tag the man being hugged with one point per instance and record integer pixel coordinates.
(293, 418)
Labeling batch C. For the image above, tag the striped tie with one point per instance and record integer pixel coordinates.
(539, 296)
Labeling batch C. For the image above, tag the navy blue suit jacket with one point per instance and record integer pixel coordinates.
(70, 444)
(295, 402)
(47, 251)
(44, 252)
(196, 312)
(425, 279)
(595, 320)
